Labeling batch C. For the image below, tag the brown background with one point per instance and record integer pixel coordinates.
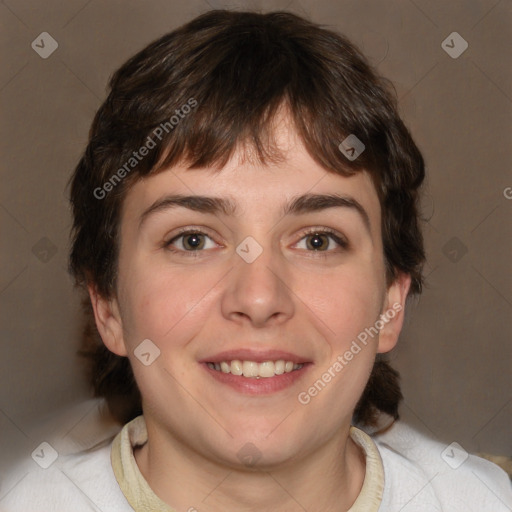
(455, 352)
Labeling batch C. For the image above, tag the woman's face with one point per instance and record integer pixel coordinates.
(280, 264)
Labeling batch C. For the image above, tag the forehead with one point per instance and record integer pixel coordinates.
(251, 185)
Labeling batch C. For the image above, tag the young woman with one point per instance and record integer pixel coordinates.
(246, 225)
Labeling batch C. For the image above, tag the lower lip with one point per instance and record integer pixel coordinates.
(261, 386)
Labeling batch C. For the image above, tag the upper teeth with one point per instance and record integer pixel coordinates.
(253, 369)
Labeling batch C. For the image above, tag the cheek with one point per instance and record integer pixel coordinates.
(167, 305)
(346, 302)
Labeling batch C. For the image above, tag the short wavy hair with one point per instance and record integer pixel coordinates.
(240, 68)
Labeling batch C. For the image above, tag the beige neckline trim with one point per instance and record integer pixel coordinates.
(141, 497)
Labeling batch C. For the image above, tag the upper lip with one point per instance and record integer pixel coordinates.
(258, 356)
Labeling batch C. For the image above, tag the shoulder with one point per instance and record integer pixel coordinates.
(80, 482)
(424, 474)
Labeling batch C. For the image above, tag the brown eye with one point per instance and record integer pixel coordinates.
(317, 242)
(193, 241)
(322, 240)
(190, 242)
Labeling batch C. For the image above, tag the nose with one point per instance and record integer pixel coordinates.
(259, 293)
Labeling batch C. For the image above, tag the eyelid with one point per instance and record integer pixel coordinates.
(190, 229)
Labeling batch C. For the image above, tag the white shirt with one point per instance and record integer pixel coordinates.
(419, 475)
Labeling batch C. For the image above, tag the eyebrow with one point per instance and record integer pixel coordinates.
(307, 203)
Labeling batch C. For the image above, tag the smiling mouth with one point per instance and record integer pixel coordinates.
(254, 370)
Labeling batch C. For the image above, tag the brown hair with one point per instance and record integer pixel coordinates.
(234, 70)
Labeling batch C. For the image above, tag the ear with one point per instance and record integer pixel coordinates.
(393, 312)
(108, 321)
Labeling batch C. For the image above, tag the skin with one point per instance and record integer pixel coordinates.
(292, 297)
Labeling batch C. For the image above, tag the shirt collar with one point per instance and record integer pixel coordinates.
(141, 497)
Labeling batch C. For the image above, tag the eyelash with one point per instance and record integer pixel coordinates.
(341, 241)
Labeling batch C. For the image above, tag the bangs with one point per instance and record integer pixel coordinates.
(240, 77)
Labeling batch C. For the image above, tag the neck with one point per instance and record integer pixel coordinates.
(328, 480)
